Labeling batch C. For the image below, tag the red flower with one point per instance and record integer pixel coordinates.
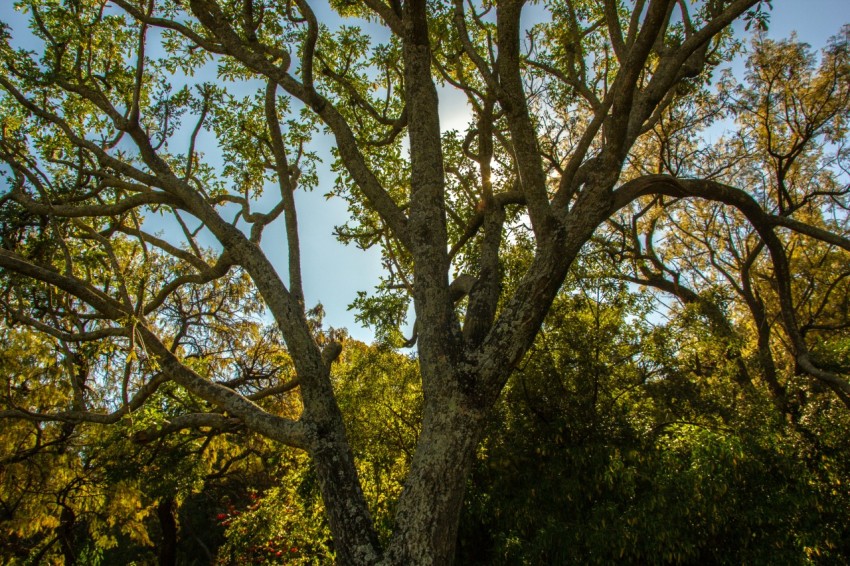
(221, 516)
(293, 549)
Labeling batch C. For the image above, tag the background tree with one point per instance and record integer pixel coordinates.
(631, 442)
(90, 151)
(792, 119)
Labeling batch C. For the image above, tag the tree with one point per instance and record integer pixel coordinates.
(792, 118)
(630, 441)
(54, 493)
(558, 109)
(73, 490)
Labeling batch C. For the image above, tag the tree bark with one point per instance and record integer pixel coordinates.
(168, 526)
(429, 508)
(355, 539)
(67, 538)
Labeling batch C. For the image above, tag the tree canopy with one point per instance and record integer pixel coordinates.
(138, 292)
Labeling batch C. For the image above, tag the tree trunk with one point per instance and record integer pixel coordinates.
(429, 509)
(355, 539)
(67, 538)
(168, 525)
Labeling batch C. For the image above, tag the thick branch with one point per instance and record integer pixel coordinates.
(514, 101)
(763, 223)
(218, 423)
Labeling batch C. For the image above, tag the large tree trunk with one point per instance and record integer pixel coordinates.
(355, 539)
(429, 509)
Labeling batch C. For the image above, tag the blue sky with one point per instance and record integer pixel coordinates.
(333, 273)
